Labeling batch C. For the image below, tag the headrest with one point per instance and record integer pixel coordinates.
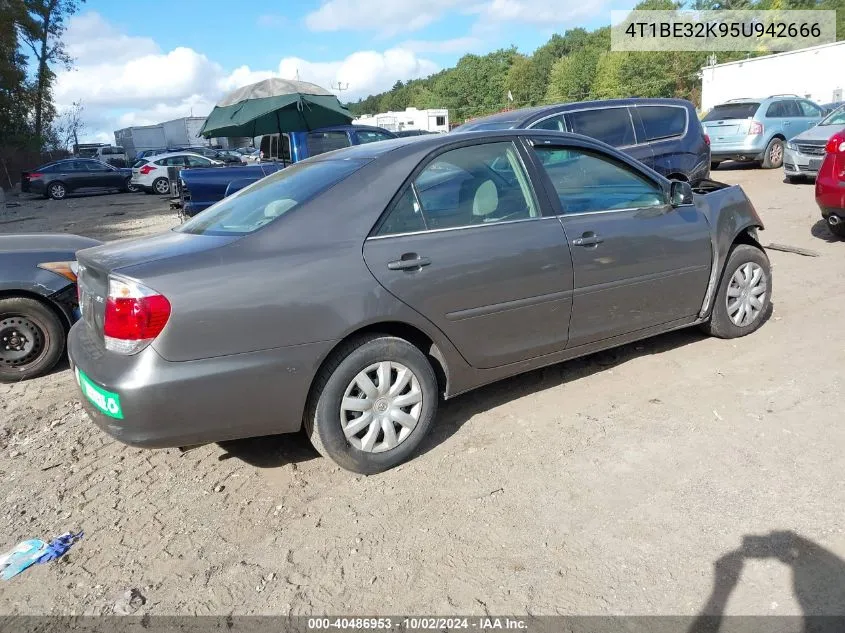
(486, 199)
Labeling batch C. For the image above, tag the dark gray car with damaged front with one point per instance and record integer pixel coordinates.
(350, 292)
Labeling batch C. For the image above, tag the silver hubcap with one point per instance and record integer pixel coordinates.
(162, 186)
(381, 407)
(746, 293)
(777, 152)
(58, 191)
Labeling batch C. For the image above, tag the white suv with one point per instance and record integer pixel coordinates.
(150, 174)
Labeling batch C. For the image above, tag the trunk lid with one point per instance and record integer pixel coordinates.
(96, 264)
(729, 122)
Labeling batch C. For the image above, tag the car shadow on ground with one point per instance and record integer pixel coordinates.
(730, 165)
(274, 451)
(821, 231)
(818, 582)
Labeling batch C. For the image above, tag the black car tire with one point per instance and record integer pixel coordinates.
(159, 185)
(773, 156)
(720, 323)
(128, 187)
(57, 190)
(838, 229)
(322, 416)
(714, 164)
(34, 319)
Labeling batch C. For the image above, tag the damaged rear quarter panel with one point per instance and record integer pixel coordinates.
(731, 215)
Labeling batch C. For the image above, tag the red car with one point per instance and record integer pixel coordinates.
(830, 184)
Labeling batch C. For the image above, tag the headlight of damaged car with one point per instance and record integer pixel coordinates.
(791, 145)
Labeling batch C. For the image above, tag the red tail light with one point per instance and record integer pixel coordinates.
(134, 316)
(146, 169)
(707, 139)
(755, 128)
(35, 175)
(836, 144)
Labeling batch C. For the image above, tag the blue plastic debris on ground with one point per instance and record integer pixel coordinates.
(34, 551)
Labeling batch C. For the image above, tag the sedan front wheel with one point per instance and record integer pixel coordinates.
(372, 404)
(743, 299)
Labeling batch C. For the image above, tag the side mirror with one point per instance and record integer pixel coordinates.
(680, 193)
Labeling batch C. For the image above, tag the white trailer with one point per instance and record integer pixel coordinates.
(430, 120)
(814, 73)
(184, 132)
(140, 138)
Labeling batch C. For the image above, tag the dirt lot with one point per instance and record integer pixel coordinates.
(609, 485)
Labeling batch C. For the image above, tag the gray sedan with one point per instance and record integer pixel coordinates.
(805, 152)
(348, 293)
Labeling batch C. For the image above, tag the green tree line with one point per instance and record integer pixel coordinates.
(575, 66)
(31, 47)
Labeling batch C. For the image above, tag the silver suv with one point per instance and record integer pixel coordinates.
(758, 129)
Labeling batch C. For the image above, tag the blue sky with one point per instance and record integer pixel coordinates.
(143, 63)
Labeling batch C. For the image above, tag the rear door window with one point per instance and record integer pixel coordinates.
(269, 198)
(732, 111)
(663, 121)
(322, 142)
(371, 136)
(611, 125)
(555, 123)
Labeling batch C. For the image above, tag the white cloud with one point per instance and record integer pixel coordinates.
(90, 39)
(386, 16)
(143, 85)
(389, 17)
(536, 12)
(365, 72)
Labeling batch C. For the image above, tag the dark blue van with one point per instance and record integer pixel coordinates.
(665, 134)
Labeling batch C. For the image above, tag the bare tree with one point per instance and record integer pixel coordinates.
(42, 28)
(67, 128)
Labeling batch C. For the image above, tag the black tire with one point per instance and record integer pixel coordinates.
(792, 179)
(323, 414)
(714, 164)
(57, 190)
(41, 346)
(773, 156)
(161, 186)
(128, 187)
(720, 323)
(837, 229)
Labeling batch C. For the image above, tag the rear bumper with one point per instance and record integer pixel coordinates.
(168, 404)
(751, 149)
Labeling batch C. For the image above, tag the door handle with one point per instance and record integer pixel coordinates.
(409, 261)
(587, 239)
(787, 122)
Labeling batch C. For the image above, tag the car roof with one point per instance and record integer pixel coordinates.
(524, 116)
(169, 154)
(426, 143)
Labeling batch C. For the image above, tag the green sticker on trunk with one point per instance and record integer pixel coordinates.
(106, 401)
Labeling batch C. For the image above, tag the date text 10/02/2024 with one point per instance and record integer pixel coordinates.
(486, 623)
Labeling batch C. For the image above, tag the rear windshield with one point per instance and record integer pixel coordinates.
(837, 117)
(140, 163)
(732, 111)
(270, 198)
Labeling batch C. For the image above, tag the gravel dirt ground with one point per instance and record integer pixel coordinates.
(622, 483)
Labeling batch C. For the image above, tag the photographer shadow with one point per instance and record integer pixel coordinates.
(818, 579)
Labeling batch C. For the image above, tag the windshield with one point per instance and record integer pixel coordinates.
(837, 117)
(269, 198)
(732, 111)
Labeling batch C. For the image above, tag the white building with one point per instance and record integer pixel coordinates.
(431, 120)
(815, 73)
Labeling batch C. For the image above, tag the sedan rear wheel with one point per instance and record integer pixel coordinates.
(744, 295)
(57, 190)
(32, 339)
(161, 186)
(372, 404)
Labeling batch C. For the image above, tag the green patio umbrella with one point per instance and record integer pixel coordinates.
(274, 105)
